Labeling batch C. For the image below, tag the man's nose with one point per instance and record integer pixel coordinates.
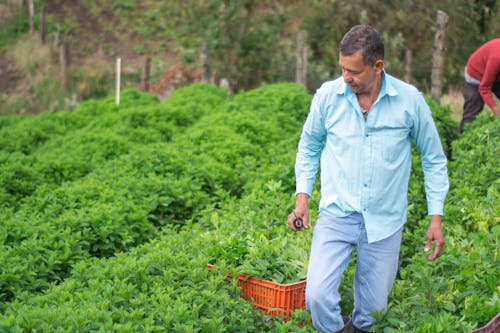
(346, 76)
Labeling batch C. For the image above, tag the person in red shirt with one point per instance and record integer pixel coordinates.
(482, 80)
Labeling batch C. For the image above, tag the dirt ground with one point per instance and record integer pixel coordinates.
(9, 76)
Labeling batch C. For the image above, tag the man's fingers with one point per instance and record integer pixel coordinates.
(435, 235)
(437, 252)
(428, 245)
(290, 220)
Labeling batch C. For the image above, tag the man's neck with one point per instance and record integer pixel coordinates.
(366, 100)
(371, 95)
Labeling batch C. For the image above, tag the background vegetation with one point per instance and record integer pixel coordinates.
(251, 42)
(110, 214)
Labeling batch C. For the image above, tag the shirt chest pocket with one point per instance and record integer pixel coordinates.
(392, 145)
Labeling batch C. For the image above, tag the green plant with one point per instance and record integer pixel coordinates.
(110, 214)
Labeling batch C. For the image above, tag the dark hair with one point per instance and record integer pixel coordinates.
(366, 39)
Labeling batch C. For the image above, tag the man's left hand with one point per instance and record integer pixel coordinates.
(496, 112)
(435, 234)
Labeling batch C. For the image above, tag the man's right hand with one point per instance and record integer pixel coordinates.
(301, 211)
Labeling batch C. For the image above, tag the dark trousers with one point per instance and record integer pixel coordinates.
(473, 102)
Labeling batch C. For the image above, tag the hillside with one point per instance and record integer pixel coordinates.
(249, 43)
(30, 73)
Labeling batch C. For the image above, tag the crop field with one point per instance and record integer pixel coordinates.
(109, 215)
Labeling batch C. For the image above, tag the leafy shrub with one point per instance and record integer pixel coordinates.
(458, 292)
(157, 287)
(72, 174)
(120, 239)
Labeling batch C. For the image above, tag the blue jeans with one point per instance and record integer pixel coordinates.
(334, 239)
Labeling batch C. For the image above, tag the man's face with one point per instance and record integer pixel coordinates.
(360, 77)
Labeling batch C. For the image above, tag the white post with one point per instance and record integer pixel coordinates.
(118, 70)
(301, 66)
(31, 9)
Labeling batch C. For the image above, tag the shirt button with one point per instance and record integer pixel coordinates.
(366, 185)
(367, 135)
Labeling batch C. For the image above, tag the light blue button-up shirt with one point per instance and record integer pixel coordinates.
(366, 164)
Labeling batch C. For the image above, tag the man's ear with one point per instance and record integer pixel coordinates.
(379, 65)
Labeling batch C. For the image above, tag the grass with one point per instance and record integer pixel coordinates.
(35, 63)
(455, 99)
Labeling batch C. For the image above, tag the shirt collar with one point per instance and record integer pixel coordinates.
(386, 89)
(387, 86)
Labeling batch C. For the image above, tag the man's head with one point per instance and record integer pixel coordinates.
(361, 59)
(366, 39)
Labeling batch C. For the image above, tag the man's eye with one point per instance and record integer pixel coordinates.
(350, 72)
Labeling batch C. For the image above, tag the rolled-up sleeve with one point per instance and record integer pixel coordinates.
(309, 148)
(433, 159)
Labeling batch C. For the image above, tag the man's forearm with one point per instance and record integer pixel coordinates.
(301, 201)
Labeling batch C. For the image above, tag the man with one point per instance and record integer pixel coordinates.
(361, 127)
(482, 79)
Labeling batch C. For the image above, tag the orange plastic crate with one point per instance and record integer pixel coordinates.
(274, 298)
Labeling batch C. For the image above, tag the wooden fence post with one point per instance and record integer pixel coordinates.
(205, 60)
(64, 63)
(224, 83)
(54, 49)
(146, 69)
(31, 9)
(409, 65)
(57, 35)
(437, 56)
(43, 30)
(301, 66)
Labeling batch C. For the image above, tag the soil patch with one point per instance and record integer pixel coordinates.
(9, 76)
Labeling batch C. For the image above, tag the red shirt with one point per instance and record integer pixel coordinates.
(484, 66)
